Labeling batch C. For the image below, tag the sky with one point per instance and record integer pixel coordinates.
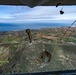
(48, 14)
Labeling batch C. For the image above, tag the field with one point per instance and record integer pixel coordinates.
(18, 55)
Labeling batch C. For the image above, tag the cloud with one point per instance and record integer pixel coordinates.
(39, 14)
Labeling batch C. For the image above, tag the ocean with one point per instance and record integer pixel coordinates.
(23, 26)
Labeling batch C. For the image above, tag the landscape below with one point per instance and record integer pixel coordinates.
(18, 55)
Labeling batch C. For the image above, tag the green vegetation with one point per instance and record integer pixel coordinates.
(18, 55)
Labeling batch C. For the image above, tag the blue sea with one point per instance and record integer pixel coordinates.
(23, 26)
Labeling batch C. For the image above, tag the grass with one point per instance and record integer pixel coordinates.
(3, 62)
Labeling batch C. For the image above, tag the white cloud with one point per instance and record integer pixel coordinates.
(40, 14)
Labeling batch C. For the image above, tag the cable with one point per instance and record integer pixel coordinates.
(61, 3)
(64, 1)
(26, 2)
(61, 38)
(42, 2)
(22, 1)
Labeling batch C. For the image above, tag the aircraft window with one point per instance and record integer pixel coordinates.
(38, 39)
